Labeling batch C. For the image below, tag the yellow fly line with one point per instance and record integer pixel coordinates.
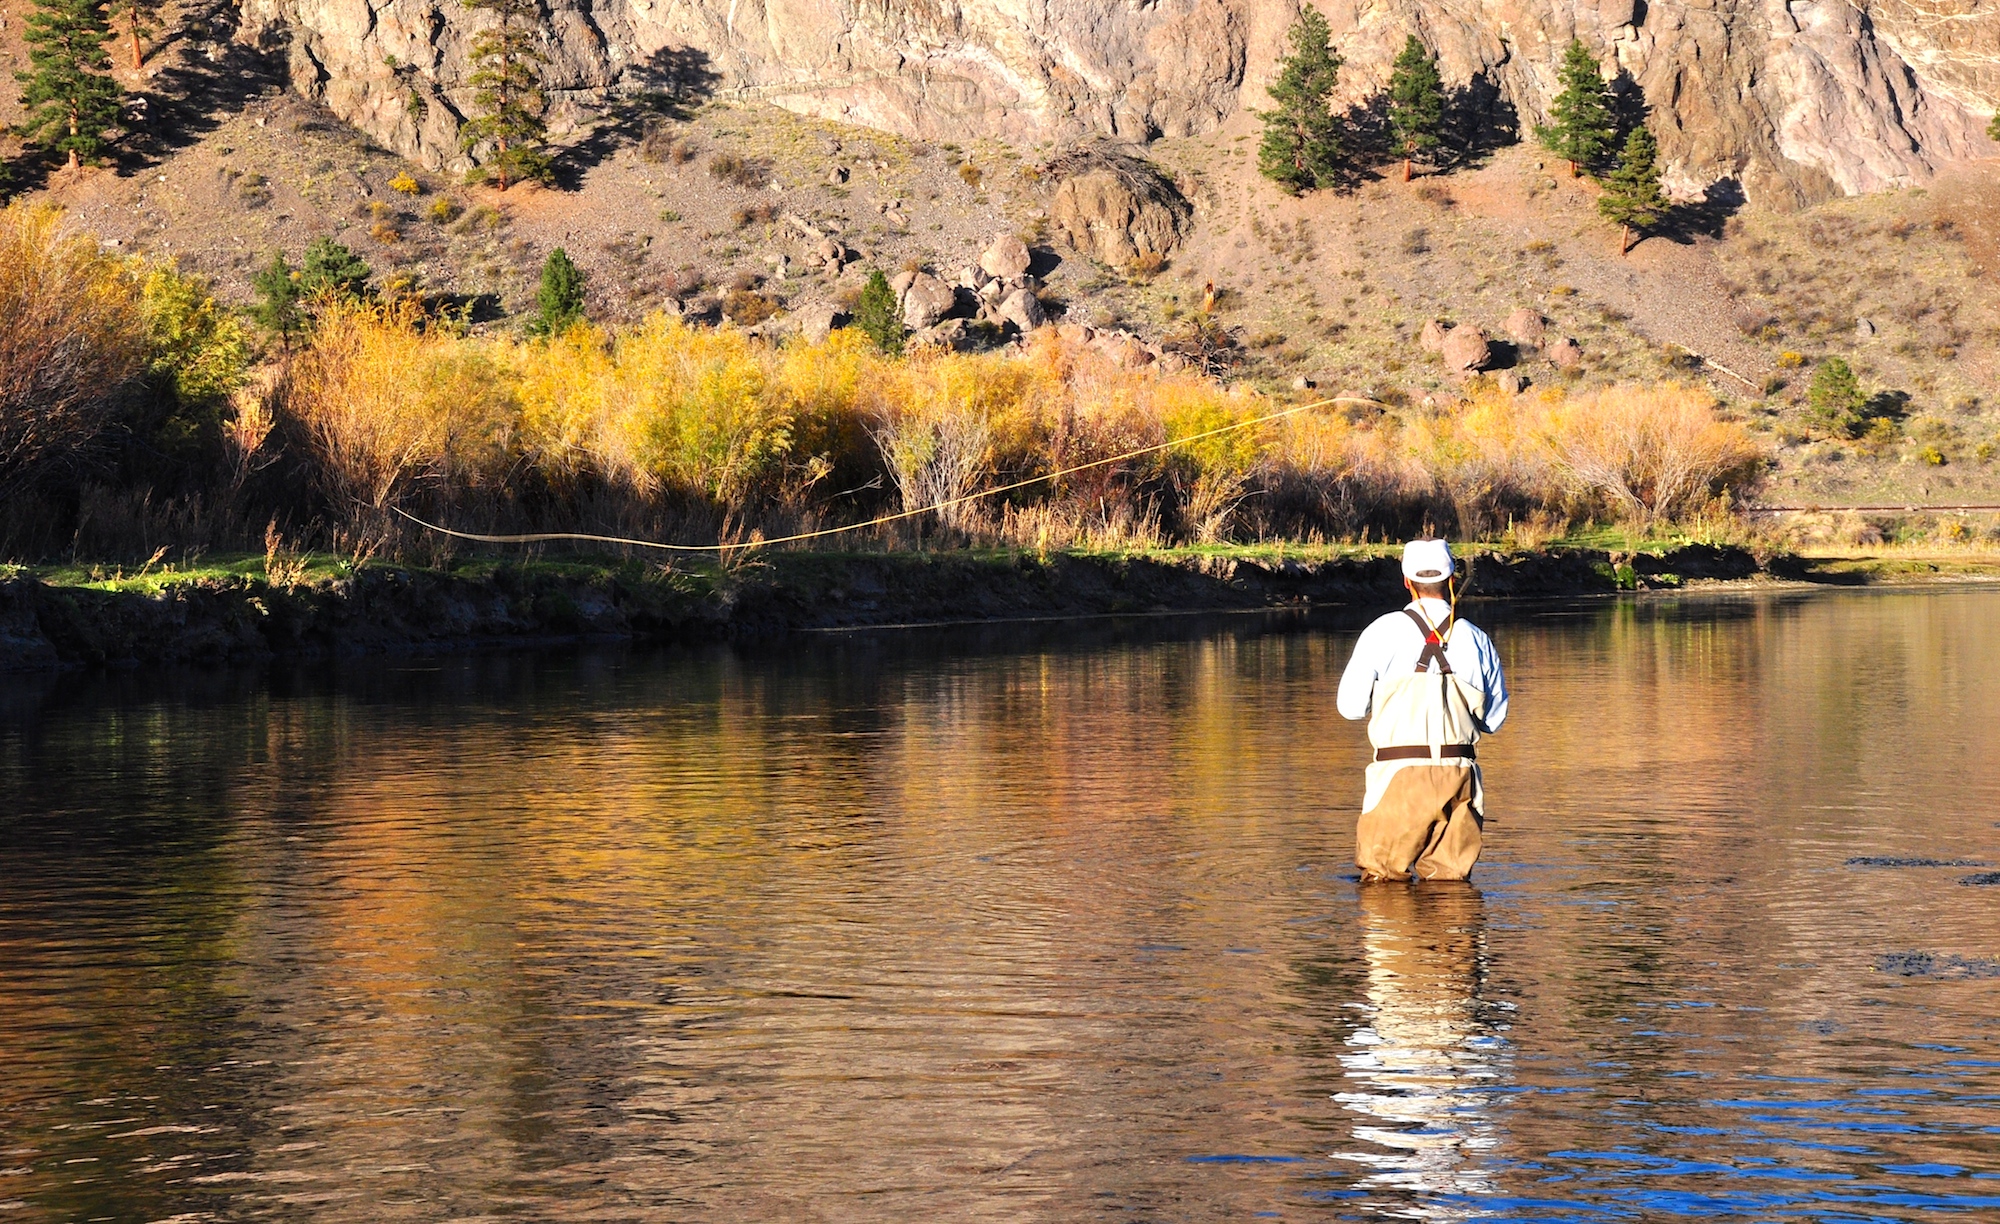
(540, 537)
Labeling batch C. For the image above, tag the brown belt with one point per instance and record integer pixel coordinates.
(1422, 752)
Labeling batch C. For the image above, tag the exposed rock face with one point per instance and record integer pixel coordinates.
(1796, 98)
(1116, 207)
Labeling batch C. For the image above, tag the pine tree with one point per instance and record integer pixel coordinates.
(1416, 102)
(332, 268)
(877, 315)
(69, 89)
(138, 15)
(508, 92)
(1301, 146)
(1584, 132)
(559, 302)
(278, 293)
(1835, 399)
(1632, 198)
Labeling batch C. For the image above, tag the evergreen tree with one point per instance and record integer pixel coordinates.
(1301, 145)
(877, 315)
(138, 15)
(332, 268)
(1416, 102)
(559, 302)
(277, 289)
(508, 93)
(1993, 128)
(1835, 400)
(69, 90)
(1584, 132)
(1632, 198)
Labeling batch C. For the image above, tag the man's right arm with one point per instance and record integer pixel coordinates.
(1357, 683)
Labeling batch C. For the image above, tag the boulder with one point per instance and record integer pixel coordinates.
(1022, 309)
(1124, 349)
(1116, 207)
(816, 320)
(1864, 329)
(952, 334)
(1511, 382)
(1466, 350)
(1564, 354)
(1525, 328)
(1006, 259)
(926, 300)
(1431, 339)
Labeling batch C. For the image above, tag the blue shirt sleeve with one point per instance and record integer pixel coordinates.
(1357, 683)
(1495, 683)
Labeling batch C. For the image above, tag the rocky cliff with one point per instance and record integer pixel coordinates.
(1796, 99)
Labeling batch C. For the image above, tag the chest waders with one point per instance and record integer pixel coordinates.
(1421, 815)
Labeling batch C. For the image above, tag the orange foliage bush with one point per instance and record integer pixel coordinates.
(72, 335)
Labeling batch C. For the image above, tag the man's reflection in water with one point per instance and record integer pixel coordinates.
(1423, 1065)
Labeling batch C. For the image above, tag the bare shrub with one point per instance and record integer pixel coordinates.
(747, 307)
(72, 337)
(1654, 452)
(739, 170)
(935, 459)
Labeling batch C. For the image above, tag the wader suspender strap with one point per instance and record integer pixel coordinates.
(1433, 643)
(1433, 649)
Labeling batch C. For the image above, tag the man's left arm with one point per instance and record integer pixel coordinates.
(1494, 681)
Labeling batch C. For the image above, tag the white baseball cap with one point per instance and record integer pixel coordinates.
(1427, 561)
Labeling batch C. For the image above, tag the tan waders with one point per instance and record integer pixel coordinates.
(1422, 814)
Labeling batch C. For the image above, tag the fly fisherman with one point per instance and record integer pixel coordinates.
(1429, 685)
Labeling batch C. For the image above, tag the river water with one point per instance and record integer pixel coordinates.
(1040, 923)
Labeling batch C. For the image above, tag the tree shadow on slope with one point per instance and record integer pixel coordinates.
(1704, 218)
(213, 79)
(667, 88)
(1478, 122)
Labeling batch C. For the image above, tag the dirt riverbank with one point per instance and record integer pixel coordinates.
(47, 621)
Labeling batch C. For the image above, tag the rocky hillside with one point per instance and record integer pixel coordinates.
(1798, 100)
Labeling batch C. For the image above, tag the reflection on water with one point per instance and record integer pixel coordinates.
(1429, 1049)
(1046, 924)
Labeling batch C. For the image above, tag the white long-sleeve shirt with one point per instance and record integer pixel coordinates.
(1393, 644)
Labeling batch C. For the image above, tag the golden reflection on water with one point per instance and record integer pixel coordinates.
(1021, 927)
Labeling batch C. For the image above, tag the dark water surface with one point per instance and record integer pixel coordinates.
(1044, 924)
